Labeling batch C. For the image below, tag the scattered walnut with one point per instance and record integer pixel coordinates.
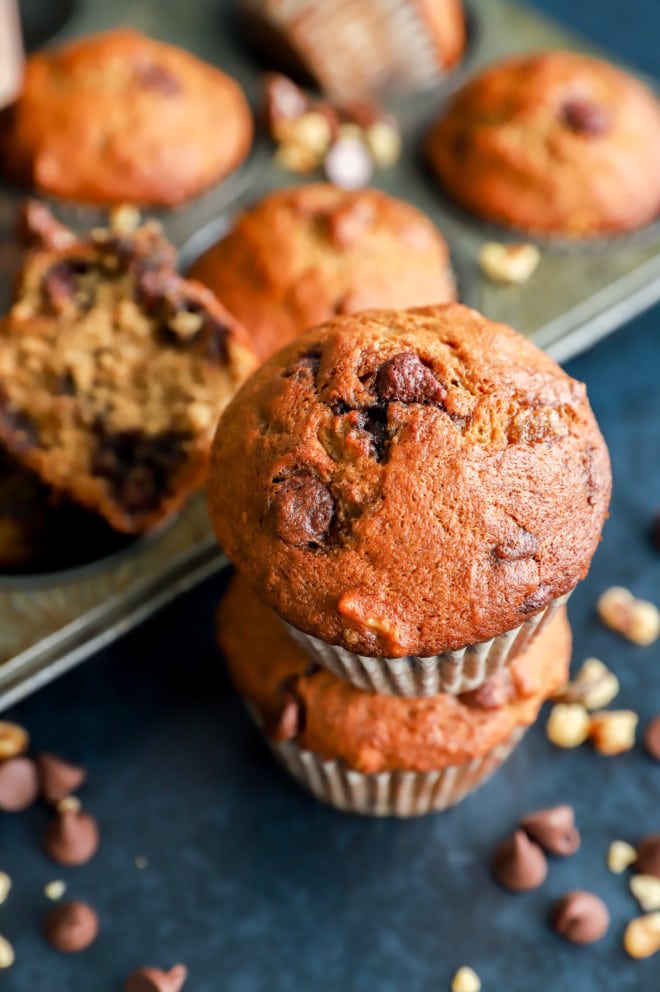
(5, 886)
(14, 740)
(296, 158)
(71, 804)
(7, 956)
(636, 619)
(311, 131)
(594, 686)
(508, 263)
(55, 890)
(613, 731)
(620, 856)
(124, 219)
(384, 143)
(642, 936)
(646, 890)
(466, 980)
(568, 725)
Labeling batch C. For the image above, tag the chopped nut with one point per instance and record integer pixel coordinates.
(186, 324)
(568, 725)
(55, 889)
(613, 731)
(7, 956)
(636, 619)
(311, 131)
(69, 805)
(296, 158)
(124, 219)
(384, 143)
(642, 936)
(594, 686)
(5, 886)
(14, 740)
(509, 263)
(646, 889)
(620, 856)
(466, 980)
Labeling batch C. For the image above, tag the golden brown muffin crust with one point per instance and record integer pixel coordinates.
(117, 117)
(556, 142)
(303, 255)
(409, 482)
(374, 733)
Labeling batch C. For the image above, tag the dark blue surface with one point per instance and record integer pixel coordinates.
(254, 885)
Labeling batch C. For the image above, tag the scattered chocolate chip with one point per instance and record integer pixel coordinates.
(648, 856)
(59, 282)
(158, 78)
(538, 599)
(282, 101)
(302, 509)
(72, 838)
(492, 694)
(522, 545)
(57, 779)
(652, 738)
(585, 117)
(307, 363)
(38, 228)
(154, 286)
(405, 379)
(155, 980)
(374, 422)
(71, 927)
(18, 425)
(519, 864)
(137, 466)
(348, 164)
(581, 917)
(554, 829)
(19, 784)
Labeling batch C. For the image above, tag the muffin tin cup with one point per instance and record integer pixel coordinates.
(452, 672)
(396, 793)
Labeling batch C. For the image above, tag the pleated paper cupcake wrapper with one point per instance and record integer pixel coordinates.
(453, 671)
(397, 793)
(405, 48)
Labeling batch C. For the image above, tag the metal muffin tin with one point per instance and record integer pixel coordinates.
(580, 292)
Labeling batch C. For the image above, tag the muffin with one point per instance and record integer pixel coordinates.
(358, 46)
(117, 117)
(303, 255)
(414, 492)
(113, 370)
(556, 143)
(375, 754)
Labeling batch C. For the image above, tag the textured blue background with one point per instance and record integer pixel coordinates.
(254, 885)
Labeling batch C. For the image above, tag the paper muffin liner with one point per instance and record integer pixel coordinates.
(396, 793)
(337, 39)
(453, 672)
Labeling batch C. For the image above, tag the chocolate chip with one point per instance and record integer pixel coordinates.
(137, 466)
(19, 425)
(519, 864)
(154, 286)
(538, 599)
(652, 738)
(307, 363)
(585, 117)
(553, 828)
(72, 838)
(37, 227)
(214, 335)
(71, 927)
(648, 856)
(580, 917)
(155, 980)
(283, 101)
(348, 164)
(287, 719)
(65, 384)
(522, 545)
(302, 509)
(19, 784)
(57, 779)
(492, 694)
(405, 379)
(374, 422)
(158, 78)
(59, 282)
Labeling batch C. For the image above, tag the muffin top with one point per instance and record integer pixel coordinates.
(303, 255)
(117, 117)
(370, 732)
(556, 142)
(409, 482)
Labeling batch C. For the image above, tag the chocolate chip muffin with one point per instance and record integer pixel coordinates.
(113, 370)
(379, 754)
(558, 143)
(118, 117)
(358, 46)
(303, 255)
(400, 485)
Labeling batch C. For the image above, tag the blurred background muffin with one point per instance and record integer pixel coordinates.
(557, 142)
(302, 255)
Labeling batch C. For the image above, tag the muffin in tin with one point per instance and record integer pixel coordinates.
(557, 143)
(117, 117)
(415, 492)
(368, 753)
(302, 255)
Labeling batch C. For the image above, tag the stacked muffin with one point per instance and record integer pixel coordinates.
(414, 494)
